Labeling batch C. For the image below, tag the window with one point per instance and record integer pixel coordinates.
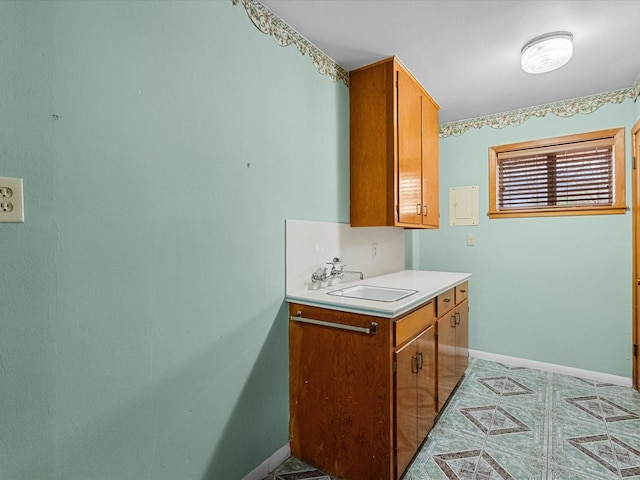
(574, 175)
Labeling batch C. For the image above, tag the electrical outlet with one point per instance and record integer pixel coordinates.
(11, 200)
(374, 250)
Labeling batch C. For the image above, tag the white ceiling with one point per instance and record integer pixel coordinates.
(466, 53)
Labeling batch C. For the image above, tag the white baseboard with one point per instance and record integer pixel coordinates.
(269, 464)
(550, 367)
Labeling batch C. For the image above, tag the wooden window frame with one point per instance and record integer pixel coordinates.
(615, 137)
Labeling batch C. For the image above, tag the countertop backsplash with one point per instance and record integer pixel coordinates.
(310, 244)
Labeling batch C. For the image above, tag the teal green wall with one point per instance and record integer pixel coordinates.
(143, 333)
(550, 289)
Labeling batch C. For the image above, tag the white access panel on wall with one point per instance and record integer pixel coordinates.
(463, 206)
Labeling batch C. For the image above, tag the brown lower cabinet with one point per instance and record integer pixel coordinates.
(362, 389)
(415, 390)
(453, 346)
(341, 393)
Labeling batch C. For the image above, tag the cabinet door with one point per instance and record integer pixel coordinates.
(447, 377)
(462, 338)
(341, 394)
(409, 167)
(430, 179)
(406, 405)
(426, 355)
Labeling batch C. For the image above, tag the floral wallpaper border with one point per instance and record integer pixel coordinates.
(268, 22)
(565, 108)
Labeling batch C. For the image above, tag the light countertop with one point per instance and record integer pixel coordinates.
(427, 283)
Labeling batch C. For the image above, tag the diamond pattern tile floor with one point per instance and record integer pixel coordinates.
(507, 422)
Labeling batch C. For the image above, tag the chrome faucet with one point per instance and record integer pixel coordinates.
(333, 269)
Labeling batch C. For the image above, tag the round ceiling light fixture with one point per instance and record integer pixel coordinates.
(547, 52)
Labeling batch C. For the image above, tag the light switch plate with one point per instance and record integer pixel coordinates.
(11, 200)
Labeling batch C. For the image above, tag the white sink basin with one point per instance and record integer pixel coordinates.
(378, 294)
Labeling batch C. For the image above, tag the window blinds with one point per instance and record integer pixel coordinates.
(575, 175)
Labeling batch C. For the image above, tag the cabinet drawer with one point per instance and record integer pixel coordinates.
(446, 301)
(462, 292)
(408, 327)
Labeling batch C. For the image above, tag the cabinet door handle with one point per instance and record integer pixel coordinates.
(418, 209)
(457, 315)
(426, 210)
(414, 364)
(421, 364)
(453, 321)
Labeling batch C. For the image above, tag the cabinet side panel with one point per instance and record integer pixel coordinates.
(371, 145)
(340, 395)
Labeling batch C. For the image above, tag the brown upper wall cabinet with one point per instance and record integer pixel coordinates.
(393, 148)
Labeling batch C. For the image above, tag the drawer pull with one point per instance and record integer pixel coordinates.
(463, 291)
(446, 300)
(372, 330)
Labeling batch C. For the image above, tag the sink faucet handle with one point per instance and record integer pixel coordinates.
(334, 262)
(319, 276)
(337, 266)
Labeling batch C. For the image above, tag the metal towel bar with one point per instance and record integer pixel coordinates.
(372, 330)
